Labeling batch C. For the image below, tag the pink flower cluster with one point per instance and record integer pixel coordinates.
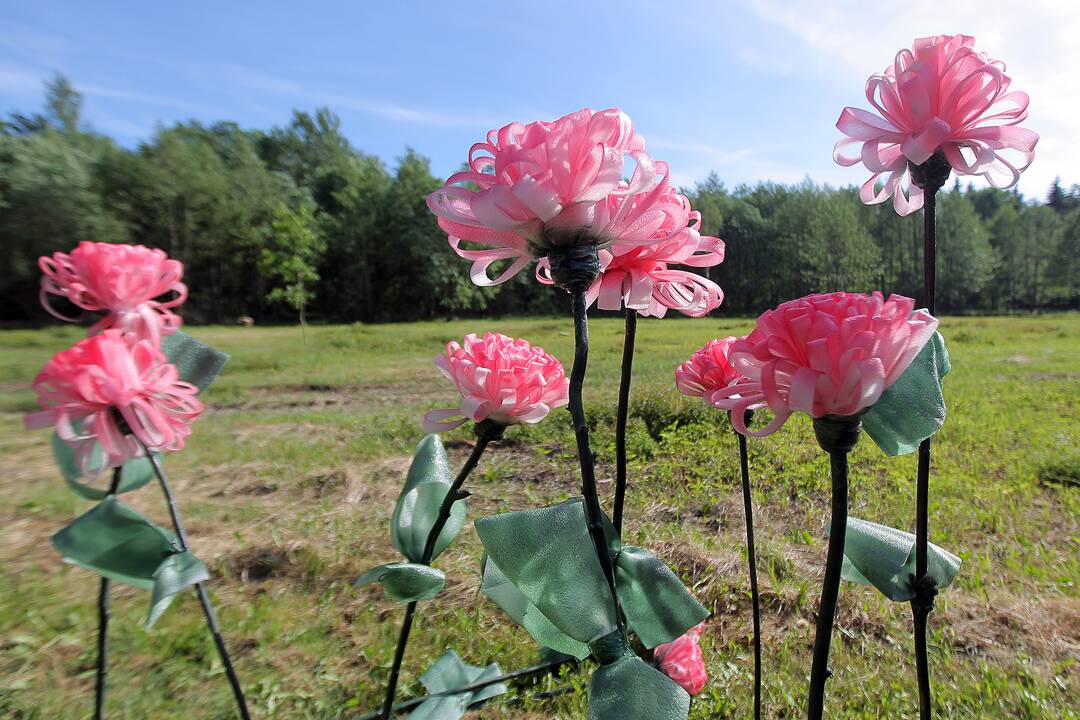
(500, 379)
(123, 281)
(89, 390)
(682, 661)
(828, 354)
(531, 189)
(941, 94)
(115, 388)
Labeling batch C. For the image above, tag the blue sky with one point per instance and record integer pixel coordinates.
(748, 90)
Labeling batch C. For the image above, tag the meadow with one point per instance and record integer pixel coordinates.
(289, 480)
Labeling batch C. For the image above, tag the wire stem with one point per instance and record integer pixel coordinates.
(621, 417)
(103, 626)
(751, 556)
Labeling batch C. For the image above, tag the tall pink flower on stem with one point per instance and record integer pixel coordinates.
(826, 355)
(126, 282)
(501, 380)
(105, 390)
(682, 661)
(532, 189)
(940, 95)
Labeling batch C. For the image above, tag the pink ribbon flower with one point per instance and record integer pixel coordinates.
(944, 95)
(81, 390)
(709, 372)
(500, 379)
(635, 270)
(828, 354)
(533, 188)
(682, 661)
(123, 281)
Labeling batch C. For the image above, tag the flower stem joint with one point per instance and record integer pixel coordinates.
(932, 174)
(574, 268)
(489, 430)
(837, 434)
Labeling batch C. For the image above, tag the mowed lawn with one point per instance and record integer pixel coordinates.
(290, 478)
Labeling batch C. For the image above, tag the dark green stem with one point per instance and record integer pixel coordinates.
(593, 513)
(751, 557)
(930, 180)
(837, 436)
(517, 675)
(200, 589)
(452, 496)
(103, 625)
(621, 417)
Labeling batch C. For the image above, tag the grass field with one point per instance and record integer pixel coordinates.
(289, 480)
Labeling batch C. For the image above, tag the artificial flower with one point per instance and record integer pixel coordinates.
(533, 189)
(123, 281)
(941, 94)
(108, 391)
(501, 380)
(828, 354)
(682, 661)
(635, 269)
(708, 371)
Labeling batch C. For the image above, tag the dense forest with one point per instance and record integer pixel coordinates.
(295, 218)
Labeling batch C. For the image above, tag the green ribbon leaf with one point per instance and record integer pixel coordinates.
(658, 607)
(628, 689)
(115, 541)
(497, 588)
(884, 557)
(175, 573)
(912, 408)
(447, 674)
(426, 485)
(547, 554)
(405, 582)
(197, 362)
(133, 475)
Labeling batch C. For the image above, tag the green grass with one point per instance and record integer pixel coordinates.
(289, 480)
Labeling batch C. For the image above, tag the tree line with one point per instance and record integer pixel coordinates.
(295, 219)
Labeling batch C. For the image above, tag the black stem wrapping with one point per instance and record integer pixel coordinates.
(593, 513)
(452, 496)
(751, 557)
(837, 436)
(200, 589)
(519, 676)
(930, 177)
(103, 625)
(621, 417)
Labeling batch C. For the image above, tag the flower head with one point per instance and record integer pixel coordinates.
(708, 371)
(85, 391)
(500, 379)
(682, 661)
(532, 189)
(829, 354)
(941, 94)
(124, 281)
(635, 271)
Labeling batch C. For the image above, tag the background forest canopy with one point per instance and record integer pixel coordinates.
(295, 219)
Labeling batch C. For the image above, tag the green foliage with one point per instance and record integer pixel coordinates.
(417, 508)
(291, 257)
(628, 689)
(133, 475)
(449, 673)
(405, 582)
(885, 558)
(116, 542)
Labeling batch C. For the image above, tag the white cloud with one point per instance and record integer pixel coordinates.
(842, 43)
(121, 94)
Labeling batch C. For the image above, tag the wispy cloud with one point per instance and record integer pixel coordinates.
(16, 80)
(102, 91)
